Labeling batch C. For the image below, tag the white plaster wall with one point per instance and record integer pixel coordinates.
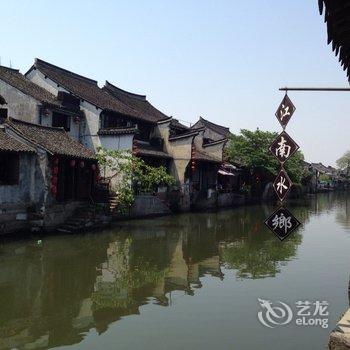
(180, 150)
(38, 78)
(88, 127)
(116, 142)
(215, 151)
(90, 138)
(19, 105)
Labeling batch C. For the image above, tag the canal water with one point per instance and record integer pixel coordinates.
(190, 281)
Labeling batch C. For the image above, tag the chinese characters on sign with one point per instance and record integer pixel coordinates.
(282, 185)
(285, 111)
(283, 147)
(282, 222)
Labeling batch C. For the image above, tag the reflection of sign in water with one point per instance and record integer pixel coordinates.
(282, 223)
(283, 147)
(282, 184)
(285, 111)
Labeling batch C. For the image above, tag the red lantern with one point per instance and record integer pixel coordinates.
(72, 163)
(54, 180)
(54, 190)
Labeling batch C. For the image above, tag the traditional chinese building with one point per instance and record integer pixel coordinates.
(147, 143)
(116, 119)
(213, 132)
(108, 121)
(24, 100)
(229, 175)
(45, 175)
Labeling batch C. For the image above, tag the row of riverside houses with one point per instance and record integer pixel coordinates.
(52, 123)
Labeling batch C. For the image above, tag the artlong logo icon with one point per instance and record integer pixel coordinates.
(272, 316)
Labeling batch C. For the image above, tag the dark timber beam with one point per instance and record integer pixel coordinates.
(313, 89)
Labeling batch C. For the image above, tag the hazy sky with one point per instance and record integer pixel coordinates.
(223, 60)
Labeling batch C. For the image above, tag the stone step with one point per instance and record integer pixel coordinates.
(70, 227)
(64, 230)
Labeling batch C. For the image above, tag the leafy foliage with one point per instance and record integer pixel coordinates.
(250, 149)
(344, 161)
(131, 170)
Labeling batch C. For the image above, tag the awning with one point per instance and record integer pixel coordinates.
(226, 173)
(229, 166)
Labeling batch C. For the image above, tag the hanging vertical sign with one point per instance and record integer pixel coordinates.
(282, 222)
(285, 111)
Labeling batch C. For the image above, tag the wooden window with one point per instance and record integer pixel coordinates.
(9, 168)
(68, 100)
(61, 121)
(144, 132)
(3, 114)
(110, 120)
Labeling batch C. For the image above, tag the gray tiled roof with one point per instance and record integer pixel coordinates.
(203, 156)
(222, 130)
(137, 102)
(117, 131)
(88, 90)
(14, 78)
(9, 144)
(54, 140)
(150, 151)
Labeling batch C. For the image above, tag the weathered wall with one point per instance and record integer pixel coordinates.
(56, 214)
(15, 200)
(179, 149)
(23, 192)
(148, 206)
(215, 151)
(26, 108)
(116, 142)
(19, 105)
(74, 132)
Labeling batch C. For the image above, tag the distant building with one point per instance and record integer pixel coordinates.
(326, 177)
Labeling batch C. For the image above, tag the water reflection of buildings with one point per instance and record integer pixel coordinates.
(52, 294)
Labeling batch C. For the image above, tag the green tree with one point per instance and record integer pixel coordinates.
(344, 162)
(250, 149)
(129, 170)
